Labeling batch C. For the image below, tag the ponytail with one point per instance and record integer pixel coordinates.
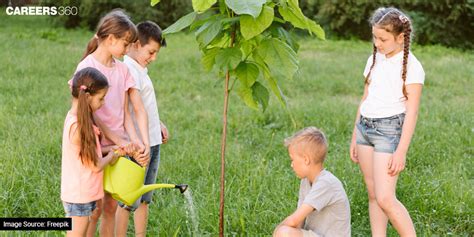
(115, 23)
(85, 124)
(87, 82)
(91, 47)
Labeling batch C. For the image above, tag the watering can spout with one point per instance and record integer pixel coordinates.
(147, 188)
(182, 187)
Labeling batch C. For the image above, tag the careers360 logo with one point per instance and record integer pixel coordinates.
(42, 10)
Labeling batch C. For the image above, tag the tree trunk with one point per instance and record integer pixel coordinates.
(223, 143)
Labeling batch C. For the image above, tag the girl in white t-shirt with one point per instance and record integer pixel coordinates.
(386, 118)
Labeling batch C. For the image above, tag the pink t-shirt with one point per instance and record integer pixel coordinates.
(112, 113)
(79, 184)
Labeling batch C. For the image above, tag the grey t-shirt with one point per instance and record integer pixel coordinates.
(332, 214)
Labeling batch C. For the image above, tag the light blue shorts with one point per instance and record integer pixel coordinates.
(381, 133)
(150, 178)
(79, 209)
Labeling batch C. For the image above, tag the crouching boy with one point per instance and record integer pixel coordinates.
(323, 207)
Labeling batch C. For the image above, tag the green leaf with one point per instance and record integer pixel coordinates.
(209, 58)
(290, 16)
(280, 33)
(154, 2)
(280, 58)
(316, 29)
(271, 81)
(247, 46)
(260, 93)
(247, 73)
(293, 14)
(246, 94)
(251, 27)
(228, 58)
(180, 24)
(246, 7)
(202, 5)
(207, 32)
(276, 90)
(220, 41)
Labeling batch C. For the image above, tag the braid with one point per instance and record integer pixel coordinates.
(367, 81)
(406, 51)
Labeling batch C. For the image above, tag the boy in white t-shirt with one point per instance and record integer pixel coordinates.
(142, 53)
(323, 206)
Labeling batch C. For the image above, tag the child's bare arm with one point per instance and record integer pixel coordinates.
(397, 162)
(128, 122)
(108, 133)
(353, 150)
(111, 158)
(142, 121)
(296, 220)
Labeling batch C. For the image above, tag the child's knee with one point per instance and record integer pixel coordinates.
(94, 217)
(110, 207)
(282, 230)
(371, 196)
(385, 201)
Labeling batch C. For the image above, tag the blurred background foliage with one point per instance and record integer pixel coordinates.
(445, 22)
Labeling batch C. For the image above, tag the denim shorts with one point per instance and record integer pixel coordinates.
(150, 178)
(381, 133)
(79, 209)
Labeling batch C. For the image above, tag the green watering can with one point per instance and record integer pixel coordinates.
(124, 181)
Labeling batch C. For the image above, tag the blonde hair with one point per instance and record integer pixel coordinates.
(313, 141)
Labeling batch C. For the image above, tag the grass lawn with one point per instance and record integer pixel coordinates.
(37, 60)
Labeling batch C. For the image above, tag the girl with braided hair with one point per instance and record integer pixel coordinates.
(386, 118)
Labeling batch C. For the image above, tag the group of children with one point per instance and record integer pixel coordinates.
(114, 113)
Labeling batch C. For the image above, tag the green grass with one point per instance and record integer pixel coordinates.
(261, 189)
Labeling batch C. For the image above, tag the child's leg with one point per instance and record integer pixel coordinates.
(107, 225)
(140, 218)
(385, 186)
(122, 216)
(79, 224)
(378, 219)
(286, 231)
(94, 218)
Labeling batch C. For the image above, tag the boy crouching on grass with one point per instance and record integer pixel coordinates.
(323, 207)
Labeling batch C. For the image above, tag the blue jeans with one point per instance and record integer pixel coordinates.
(150, 178)
(79, 209)
(381, 133)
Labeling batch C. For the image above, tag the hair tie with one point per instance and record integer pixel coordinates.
(403, 18)
(83, 88)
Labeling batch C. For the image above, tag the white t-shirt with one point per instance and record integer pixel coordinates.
(385, 96)
(332, 214)
(144, 85)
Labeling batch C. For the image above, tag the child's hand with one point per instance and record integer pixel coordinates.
(114, 156)
(353, 150)
(143, 160)
(164, 133)
(396, 164)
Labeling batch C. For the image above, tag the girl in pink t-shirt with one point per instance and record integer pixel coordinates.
(82, 161)
(115, 32)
